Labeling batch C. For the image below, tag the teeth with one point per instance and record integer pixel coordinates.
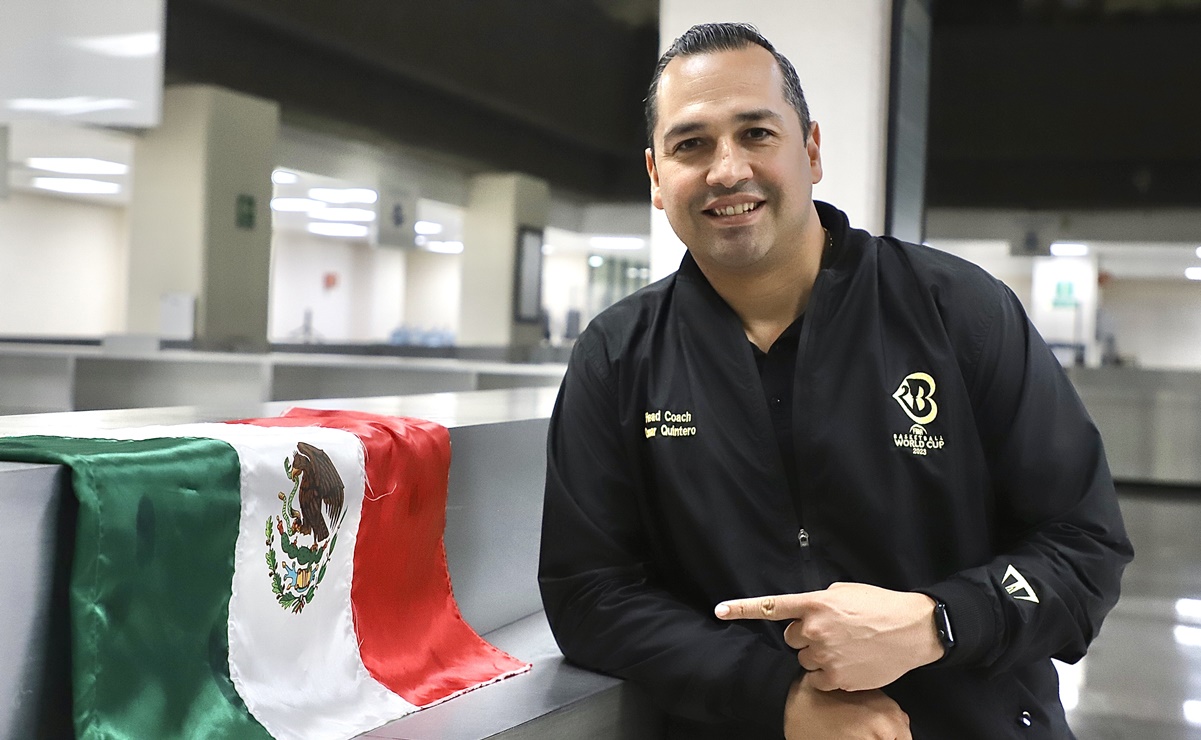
(735, 210)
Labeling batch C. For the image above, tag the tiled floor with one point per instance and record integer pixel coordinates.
(1142, 677)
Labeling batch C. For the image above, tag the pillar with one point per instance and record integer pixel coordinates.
(498, 206)
(841, 52)
(3, 161)
(200, 218)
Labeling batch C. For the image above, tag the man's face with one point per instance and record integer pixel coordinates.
(731, 167)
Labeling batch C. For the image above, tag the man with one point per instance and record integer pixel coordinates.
(817, 483)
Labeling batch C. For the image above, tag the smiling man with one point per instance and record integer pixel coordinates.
(817, 483)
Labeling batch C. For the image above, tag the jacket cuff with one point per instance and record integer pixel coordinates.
(764, 691)
(972, 620)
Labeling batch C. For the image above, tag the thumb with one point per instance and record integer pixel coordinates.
(774, 608)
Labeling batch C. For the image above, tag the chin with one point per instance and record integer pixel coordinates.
(738, 259)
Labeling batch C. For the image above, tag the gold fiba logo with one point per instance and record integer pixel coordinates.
(915, 396)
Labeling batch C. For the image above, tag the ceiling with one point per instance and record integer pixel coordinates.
(1034, 103)
(548, 87)
(1068, 104)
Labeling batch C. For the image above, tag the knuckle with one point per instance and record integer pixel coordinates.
(768, 605)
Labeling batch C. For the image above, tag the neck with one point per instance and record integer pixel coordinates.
(768, 301)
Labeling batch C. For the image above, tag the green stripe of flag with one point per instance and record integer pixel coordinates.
(149, 511)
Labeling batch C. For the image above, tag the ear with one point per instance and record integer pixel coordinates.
(653, 174)
(814, 150)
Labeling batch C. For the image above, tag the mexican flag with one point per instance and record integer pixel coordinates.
(280, 577)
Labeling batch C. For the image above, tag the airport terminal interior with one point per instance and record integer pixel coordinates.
(214, 209)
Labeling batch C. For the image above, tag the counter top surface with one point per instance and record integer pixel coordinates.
(448, 409)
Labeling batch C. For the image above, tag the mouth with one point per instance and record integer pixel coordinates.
(733, 210)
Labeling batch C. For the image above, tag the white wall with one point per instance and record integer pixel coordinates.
(1157, 322)
(564, 287)
(62, 267)
(432, 291)
(365, 304)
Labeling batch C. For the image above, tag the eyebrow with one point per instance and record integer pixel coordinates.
(750, 116)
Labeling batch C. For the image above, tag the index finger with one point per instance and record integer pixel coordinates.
(775, 608)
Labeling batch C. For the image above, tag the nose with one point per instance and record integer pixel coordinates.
(730, 166)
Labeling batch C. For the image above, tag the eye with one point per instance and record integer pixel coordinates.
(686, 145)
(756, 134)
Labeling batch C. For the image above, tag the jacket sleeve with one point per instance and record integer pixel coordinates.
(609, 608)
(1062, 542)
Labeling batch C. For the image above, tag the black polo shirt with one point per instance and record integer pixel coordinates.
(777, 368)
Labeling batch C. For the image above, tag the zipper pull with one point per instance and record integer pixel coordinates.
(802, 538)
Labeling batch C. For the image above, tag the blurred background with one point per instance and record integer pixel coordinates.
(194, 194)
(1061, 127)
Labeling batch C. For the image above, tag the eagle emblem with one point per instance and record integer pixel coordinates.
(306, 536)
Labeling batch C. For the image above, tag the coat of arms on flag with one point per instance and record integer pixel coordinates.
(306, 541)
(353, 508)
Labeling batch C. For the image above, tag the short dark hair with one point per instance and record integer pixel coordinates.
(710, 37)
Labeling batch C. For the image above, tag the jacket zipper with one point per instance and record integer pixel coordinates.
(802, 538)
(809, 574)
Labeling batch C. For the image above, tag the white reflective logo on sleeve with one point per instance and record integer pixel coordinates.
(1017, 586)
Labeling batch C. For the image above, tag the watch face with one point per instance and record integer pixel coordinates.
(942, 625)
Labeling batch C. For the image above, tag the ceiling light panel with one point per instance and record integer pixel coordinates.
(77, 166)
(295, 205)
(351, 231)
(76, 186)
(1068, 249)
(122, 46)
(357, 215)
(344, 196)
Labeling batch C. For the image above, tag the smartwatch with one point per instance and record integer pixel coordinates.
(942, 626)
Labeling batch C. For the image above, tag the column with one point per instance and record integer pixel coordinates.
(841, 52)
(200, 219)
(498, 206)
(3, 161)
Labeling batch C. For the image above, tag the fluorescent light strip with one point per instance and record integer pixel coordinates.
(343, 196)
(1068, 249)
(295, 205)
(1187, 636)
(283, 177)
(358, 215)
(427, 228)
(70, 106)
(76, 186)
(351, 231)
(1192, 273)
(1192, 712)
(445, 247)
(1189, 609)
(77, 165)
(122, 46)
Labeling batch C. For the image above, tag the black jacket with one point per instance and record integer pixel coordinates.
(940, 448)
